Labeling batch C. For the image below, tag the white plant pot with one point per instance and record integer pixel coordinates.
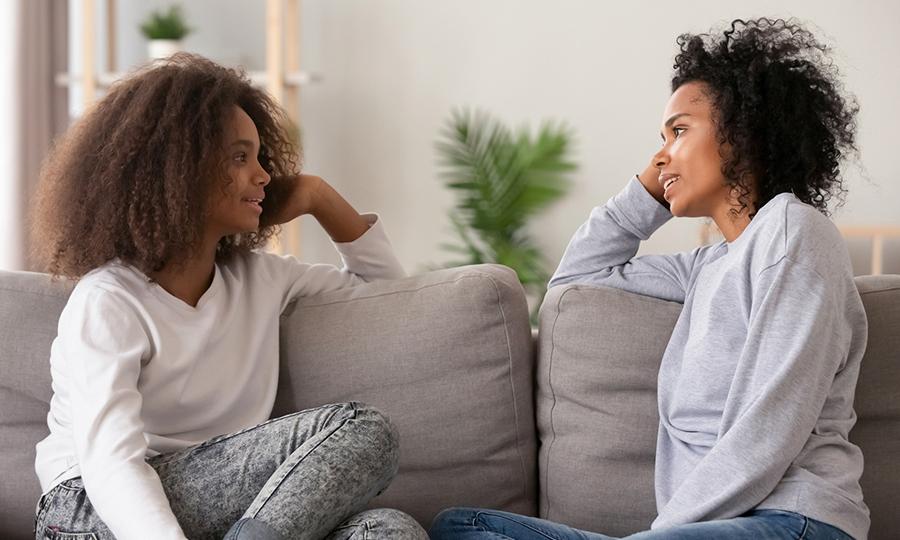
(162, 48)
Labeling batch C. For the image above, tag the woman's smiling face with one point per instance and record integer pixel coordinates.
(689, 162)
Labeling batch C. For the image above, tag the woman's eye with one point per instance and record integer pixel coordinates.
(242, 157)
(675, 133)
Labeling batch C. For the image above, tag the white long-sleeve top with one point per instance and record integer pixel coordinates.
(756, 385)
(138, 372)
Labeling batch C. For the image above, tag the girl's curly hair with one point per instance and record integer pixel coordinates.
(132, 179)
(779, 107)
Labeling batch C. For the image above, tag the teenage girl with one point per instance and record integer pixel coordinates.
(165, 367)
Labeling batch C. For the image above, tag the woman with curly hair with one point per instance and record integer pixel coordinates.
(756, 385)
(165, 367)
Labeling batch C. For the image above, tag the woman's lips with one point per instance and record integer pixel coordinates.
(669, 184)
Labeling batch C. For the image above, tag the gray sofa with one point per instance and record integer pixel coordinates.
(563, 426)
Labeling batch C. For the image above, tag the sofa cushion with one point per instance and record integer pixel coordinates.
(448, 357)
(29, 309)
(599, 351)
(598, 355)
(877, 404)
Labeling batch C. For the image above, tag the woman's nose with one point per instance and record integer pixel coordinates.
(661, 158)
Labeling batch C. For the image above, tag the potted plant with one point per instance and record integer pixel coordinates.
(503, 179)
(165, 30)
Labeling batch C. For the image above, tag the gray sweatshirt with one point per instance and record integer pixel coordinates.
(756, 384)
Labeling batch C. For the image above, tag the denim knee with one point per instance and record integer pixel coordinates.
(387, 523)
(452, 520)
(252, 529)
(380, 432)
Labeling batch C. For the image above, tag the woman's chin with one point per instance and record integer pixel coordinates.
(680, 208)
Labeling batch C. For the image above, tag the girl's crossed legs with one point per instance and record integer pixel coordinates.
(303, 475)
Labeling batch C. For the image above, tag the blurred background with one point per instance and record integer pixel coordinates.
(373, 85)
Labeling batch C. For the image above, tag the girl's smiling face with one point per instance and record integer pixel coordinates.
(237, 206)
(689, 162)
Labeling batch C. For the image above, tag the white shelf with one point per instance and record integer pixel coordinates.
(257, 78)
(282, 77)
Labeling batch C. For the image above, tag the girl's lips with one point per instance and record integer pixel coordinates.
(255, 205)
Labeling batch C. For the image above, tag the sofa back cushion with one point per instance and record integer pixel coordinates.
(877, 404)
(30, 305)
(447, 355)
(598, 356)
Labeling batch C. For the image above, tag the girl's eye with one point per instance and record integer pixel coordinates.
(242, 157)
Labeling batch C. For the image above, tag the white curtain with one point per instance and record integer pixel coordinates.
(10, 239)
(33, 48)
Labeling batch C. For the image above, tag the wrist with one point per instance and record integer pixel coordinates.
(315, 195)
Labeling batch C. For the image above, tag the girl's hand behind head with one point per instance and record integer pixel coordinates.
(306, 194)
(289, 197)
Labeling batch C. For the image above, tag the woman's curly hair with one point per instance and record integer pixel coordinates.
(778, 105)
(133, 178)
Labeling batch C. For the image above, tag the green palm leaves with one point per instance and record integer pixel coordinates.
(501, 180)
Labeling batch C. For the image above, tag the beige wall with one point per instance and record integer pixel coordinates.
(393, 69)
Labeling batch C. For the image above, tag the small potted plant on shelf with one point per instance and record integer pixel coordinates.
(165, 30)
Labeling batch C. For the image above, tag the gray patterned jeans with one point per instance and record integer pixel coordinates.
(272, 473)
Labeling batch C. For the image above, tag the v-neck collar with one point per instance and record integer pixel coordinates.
(180, 304)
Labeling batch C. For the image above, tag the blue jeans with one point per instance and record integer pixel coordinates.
(265, 483)
(472, 523)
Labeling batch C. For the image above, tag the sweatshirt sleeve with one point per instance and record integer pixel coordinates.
(799, 336)
(103, 343)
(602, 251)
(368, 258)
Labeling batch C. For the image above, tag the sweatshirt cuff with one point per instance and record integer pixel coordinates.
(371, 253)
(644, 212)
(375, 233)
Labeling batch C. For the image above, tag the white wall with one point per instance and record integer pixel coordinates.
(11, 255)
(393, 70)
